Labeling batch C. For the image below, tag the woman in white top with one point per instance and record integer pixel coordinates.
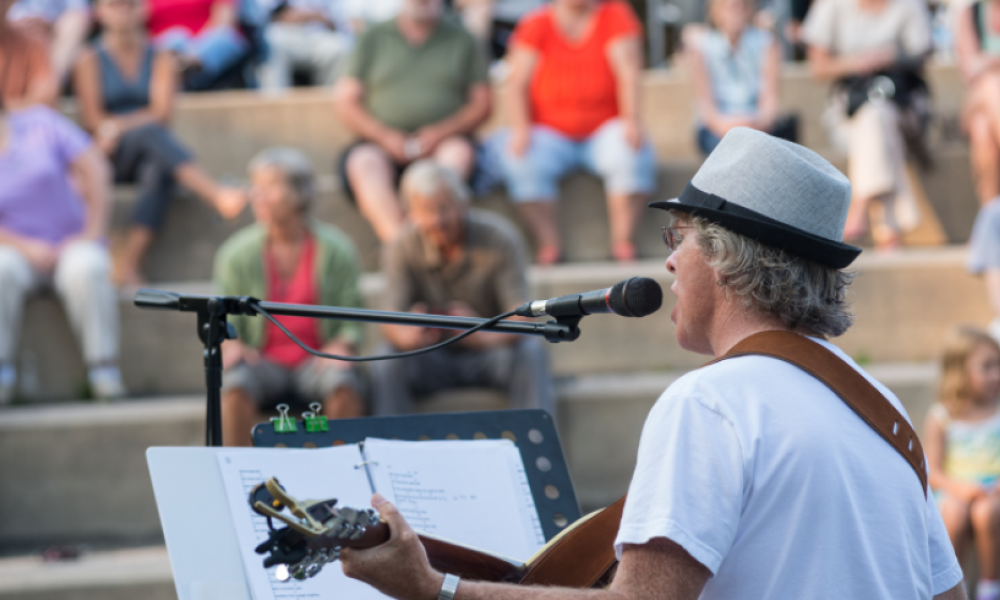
(858, 38)
(735, 67)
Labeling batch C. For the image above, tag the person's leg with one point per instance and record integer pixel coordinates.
(148, 154)
(458, 154)
(985, 517)
(985, 157)
(955, 514)
(871, 169)
(216, 49)
(532, 181)
(245, 389)
(629, 176)
(707, 141)
(332, 383)
(397, 384)
(531, 384)
(16, 282)
(82, 280)
(276, 71)
(371, 174)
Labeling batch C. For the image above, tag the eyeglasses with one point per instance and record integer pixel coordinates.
(673, 239)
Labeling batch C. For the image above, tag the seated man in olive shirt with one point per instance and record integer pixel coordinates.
(453, 260)
(415, 87)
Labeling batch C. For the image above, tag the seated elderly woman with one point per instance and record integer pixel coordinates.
(874, 50)
(51, 235)
(287, 257)
(126, 91)
(573, 103)
(735, 67)
(978, 45)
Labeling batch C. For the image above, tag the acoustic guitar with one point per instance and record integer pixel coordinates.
(315, 531)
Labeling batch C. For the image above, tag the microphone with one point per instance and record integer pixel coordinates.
(634, 297)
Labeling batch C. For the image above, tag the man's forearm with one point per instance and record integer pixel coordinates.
(357, 118)
(469, 117)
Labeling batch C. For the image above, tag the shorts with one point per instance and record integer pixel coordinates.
(270, 384)
(397, 169)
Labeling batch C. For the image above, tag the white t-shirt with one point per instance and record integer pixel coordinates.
(843, 29)
(772, 482)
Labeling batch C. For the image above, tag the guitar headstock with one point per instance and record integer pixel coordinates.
(316, 530)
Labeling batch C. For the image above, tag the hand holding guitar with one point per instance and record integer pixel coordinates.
(397, 568)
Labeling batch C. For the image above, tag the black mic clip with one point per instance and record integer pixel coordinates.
(563, 329)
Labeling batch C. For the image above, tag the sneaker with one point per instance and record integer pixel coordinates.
(106, 383)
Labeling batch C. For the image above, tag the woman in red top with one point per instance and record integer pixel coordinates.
(201, 33)
(573, 102)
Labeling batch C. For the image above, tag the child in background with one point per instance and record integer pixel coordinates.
(962, 442)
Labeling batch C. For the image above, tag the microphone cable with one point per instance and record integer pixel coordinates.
(374, 357)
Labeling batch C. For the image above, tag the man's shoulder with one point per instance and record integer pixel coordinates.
(454, 31)
(494, 230)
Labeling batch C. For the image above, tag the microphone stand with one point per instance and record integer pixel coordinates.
(213, 329)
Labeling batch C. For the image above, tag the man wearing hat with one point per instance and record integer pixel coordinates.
(754, 479)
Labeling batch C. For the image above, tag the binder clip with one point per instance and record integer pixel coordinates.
(315, 422)
(283, 423)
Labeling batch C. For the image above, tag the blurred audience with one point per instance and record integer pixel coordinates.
(26, 75)
(962, 443)
(203, 35)
(52, 235)
(313, 36)
(62, 25)
(452, 260)
(126, 91)
(415, 87)
(735, 68)
(874, 51)
(363, 13)
(984, 257)
(493, 21)
(286, 256)
(978, 45)
(572, 100)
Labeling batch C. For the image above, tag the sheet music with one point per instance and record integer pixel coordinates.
(306, 474)
(464, 491)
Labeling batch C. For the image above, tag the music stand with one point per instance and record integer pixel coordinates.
(532, 431)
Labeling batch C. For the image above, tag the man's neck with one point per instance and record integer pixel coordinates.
(415, 31)
(736, 325)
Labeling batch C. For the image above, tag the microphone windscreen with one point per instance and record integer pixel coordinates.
(636, 297)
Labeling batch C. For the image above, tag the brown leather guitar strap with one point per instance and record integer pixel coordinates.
(582, 556)
(847, 383)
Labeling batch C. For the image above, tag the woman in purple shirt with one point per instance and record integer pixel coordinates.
(52, 235)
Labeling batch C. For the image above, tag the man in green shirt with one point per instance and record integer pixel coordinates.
(415, 87)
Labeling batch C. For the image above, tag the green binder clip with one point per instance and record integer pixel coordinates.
(283, 423)
(315, 422)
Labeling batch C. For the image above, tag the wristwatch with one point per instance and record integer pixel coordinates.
(448, 587)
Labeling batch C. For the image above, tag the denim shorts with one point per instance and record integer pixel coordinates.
(551, 156)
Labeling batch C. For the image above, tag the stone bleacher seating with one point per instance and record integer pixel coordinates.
(54, 456)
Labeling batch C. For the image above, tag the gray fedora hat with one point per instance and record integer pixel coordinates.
(773, 191)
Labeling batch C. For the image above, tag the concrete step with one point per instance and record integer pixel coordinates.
(77, 474)
(108, 575)
(905, 304)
